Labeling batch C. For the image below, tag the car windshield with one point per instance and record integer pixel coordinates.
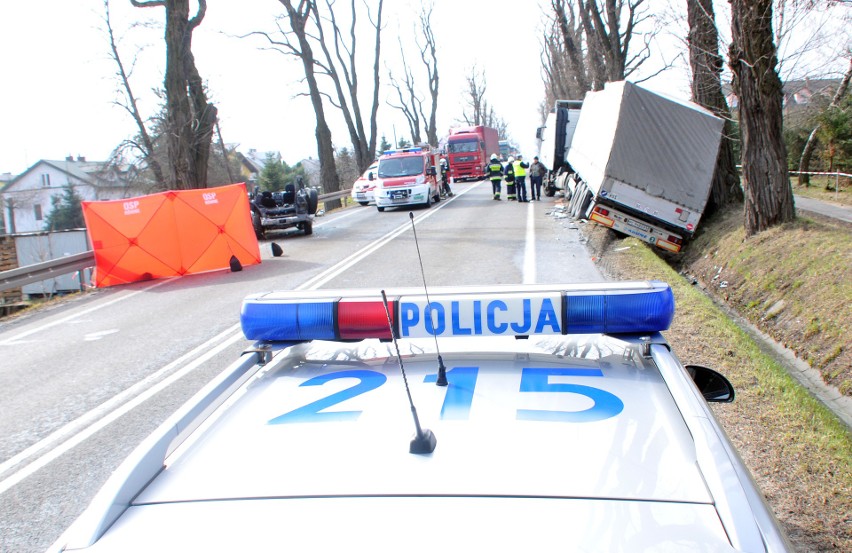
(470, 145)
(400, 167)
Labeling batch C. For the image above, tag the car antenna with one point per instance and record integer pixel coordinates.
(424, 441)
(442, 370)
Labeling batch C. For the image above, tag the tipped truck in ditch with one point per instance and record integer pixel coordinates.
(642, 163)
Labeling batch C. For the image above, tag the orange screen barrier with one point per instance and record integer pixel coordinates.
(172, 233)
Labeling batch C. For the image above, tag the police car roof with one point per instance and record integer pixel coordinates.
(315, 452)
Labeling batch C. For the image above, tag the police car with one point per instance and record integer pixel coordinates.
(510, 418)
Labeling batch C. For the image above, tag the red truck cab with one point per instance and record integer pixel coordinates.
(469, 150)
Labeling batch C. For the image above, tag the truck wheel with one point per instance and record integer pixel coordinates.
(258, 227)
(582, 201)
(313, 201)
(428, 203)
(549, 191)
(576, 199)
(308, 227)
(380, 208)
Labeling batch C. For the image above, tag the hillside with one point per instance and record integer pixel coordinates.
(795, 283)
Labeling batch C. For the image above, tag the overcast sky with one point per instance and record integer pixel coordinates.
(59, 85)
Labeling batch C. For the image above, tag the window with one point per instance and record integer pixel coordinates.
(463, 146)
(37, 209)
(45, 180)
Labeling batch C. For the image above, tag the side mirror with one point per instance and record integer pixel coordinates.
(539, 133)
(370, 176)
(431, 171)
(712, 385)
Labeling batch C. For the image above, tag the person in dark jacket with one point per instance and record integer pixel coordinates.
(445, 180)
(509, 175)
(494, 170)
(537, 172)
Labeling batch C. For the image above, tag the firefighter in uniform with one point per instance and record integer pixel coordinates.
(495, 173)
(509, 174)
(445, 183)
(520, 177)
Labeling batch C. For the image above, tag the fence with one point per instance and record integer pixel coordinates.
(836, 178)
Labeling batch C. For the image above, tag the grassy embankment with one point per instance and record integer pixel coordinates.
(798, 451)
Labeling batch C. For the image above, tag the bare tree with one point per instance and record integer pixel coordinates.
(429, 58)
(190, 116)
(564, 54)
(474, 97)
(342, 71)
(610, 32)
(299, 16)
(478, 110)
(410, 102)
(145, 144)
(810, 145)
(592, 42)
(768, 194)
(707, 66)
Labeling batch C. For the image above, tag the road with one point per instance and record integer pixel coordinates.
(833, 210)
(84, 381)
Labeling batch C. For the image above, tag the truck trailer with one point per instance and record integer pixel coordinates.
(554, 142)
(469, 150)
(643, 163)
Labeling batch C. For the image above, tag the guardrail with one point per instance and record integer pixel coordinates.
(37, 272)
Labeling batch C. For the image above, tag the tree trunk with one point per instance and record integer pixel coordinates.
(430, 62)
(189, 117)
(572, 40)
(330, 182)
(706, 66)
(810, 145)
(344, 76)
(768, 193)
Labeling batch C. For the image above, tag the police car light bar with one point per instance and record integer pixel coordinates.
(346, 315)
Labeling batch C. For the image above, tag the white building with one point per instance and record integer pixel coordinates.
(26, 199)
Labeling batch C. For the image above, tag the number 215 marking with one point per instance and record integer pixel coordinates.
(460, 393)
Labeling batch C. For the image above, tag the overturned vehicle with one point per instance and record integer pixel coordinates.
(293, 207)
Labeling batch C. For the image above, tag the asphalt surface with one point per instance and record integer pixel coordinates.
(84, 381)
(833, 210)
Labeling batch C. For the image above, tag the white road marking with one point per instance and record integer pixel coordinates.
(91, 337)
(14, 340)
(109, 417)
(529, 247)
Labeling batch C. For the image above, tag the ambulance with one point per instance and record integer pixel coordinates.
(407, 177)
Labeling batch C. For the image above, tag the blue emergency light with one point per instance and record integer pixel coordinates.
(403, 151)
(347, 315)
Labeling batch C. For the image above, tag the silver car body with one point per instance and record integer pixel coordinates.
(555, 440)
(364, 187)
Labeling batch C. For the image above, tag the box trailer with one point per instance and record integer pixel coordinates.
(643, 163)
